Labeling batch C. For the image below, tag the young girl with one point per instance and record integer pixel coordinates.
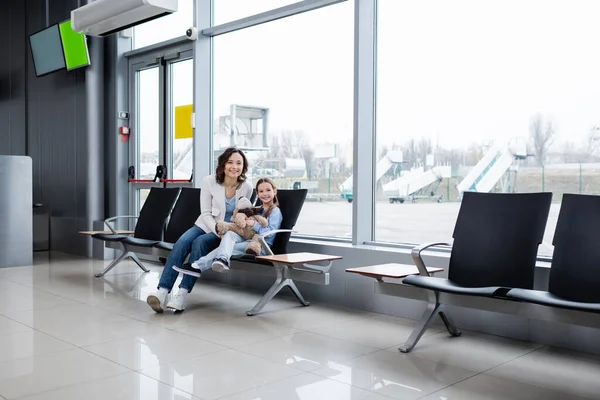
(232, 243)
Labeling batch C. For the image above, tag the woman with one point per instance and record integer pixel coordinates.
(218, 195)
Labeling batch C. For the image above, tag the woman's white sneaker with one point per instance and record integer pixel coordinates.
(177, 302)
(157, 301)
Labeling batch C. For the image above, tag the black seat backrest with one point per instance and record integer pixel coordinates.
(184, 214)
(290, 204)
(154, 213)
(575, 272)
(496, 239)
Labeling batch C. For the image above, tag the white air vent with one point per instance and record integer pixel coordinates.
(105, 17)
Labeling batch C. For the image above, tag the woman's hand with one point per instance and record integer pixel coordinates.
(250, 222)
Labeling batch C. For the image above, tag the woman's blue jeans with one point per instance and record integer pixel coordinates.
(197, 244)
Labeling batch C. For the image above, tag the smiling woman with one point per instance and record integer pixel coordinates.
(218, 196)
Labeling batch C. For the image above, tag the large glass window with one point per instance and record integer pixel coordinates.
(283, 92)
(165, 28)
(230, 10)
(499, 96)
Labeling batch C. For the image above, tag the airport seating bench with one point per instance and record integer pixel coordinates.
(493, 260)
(288, 268)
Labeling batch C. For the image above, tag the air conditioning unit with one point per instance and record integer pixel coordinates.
(105, 17)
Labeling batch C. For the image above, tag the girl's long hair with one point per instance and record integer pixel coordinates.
(275, 199)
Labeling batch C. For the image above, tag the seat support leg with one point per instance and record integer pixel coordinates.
(136, 260)
(297, 293)
(419, 329)
(448, 323)
(125, 254)
(433, 307)
(114, 263)
(279, 284)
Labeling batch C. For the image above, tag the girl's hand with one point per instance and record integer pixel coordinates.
(250, 222)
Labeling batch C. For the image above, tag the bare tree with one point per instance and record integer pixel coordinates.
(425, 148)
(542, 137)
(593, 143)
(292, 144)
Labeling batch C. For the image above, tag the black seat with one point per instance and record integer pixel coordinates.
(496, 239)
(183, 217)
(149, 227)
(575, 273)
(290, 204)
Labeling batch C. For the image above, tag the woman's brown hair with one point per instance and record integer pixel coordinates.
(223, 158)
(275, 199)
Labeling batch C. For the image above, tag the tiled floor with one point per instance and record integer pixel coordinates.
(66, 335)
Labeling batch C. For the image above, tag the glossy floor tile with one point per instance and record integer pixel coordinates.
(68, 335)
(143, 352)
(313, 317)
(8, 325)
(485, 387)
(306, 387)
(28, 344)
(370, 332)
(219, 374)
(394, 375)
(238, 332)
(129, 386)
(472, 351)
(555, 369)
(33, 375)
(307, 351)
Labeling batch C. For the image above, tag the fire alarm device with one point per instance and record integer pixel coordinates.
(124, 133)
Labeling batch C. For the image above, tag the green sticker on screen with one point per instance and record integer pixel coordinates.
(74, 46)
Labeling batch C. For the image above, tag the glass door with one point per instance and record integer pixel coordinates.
(180, 141)
(160, 123)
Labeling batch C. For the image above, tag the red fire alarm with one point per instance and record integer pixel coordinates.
(124, 133)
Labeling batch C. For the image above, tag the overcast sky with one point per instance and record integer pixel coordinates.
(457, 71)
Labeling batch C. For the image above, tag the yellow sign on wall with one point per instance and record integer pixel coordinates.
(183, 122)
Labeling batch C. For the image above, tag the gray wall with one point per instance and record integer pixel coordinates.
(57, 120)
(13, 139)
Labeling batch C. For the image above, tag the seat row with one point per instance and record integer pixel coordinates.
(181, 207)
(493, 262)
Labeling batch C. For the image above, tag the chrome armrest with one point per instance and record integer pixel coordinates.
(418, 260)
(263, 243)
(107, 220)
(277, 231)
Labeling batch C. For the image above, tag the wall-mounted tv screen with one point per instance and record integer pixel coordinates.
(74, 46)
(47, 51)
(58, 47)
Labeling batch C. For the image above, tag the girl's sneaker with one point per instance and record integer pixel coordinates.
(220, 265)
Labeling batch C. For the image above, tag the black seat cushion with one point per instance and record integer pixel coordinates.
(290, 204)
(165, 245)
(548, 299)
(184, 214)
(575, 271)
(107, 237)
(496, 239)
(140, 242)
(250, 259)
(154, 213)
(445, 285)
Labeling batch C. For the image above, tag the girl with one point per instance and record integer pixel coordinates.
(232, 243)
